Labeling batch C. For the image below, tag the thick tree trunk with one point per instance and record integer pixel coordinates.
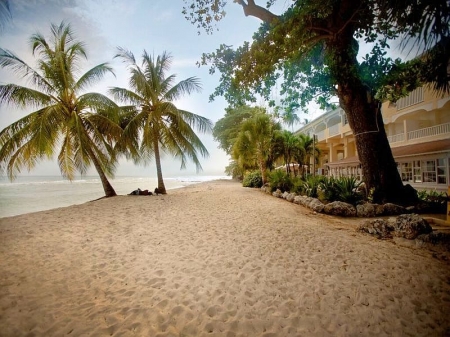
(161, 186)
(364, 116)
(107, 187)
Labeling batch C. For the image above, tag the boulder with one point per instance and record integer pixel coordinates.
(316, 205)
(277, 194)
(366, 210)
(410, 226)
(393, 209)
(340, 208)
(380, 228)
(290, 197)
(285, 194)
(298, 199)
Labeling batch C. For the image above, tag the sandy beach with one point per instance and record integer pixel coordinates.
(213, 259)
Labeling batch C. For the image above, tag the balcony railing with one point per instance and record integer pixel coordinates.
(400, 137)
(429, 132)
(321, 135)
(416, 96)
(333, 130)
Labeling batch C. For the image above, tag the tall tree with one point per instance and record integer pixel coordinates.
(153, 122)
(309, 151)
(254, 143)
(227, 128)
(314, 46)
(81, 125)
(289, 148)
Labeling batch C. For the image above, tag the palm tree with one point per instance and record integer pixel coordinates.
(289, 149)
(154, 123)
(254, 142)
(306, 142)
(80, 125)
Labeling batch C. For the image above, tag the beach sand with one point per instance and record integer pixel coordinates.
(213, 259)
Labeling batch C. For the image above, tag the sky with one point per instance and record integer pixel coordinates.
(136, 25)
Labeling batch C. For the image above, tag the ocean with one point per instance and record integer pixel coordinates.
(29, 194)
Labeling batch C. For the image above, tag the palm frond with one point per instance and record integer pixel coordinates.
(10, 61)
(13, 94)
(187, 86)
(93, 75)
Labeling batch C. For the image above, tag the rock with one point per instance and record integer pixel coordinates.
(393, 209)
(298, 199)
(340, 208)
(290, 197)
(316, 205)
(277, 194)
(410, 226)
(435, 239)
(285, 194)
(366, 210)
(380, 228)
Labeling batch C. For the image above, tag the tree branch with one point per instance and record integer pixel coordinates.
(252, 9)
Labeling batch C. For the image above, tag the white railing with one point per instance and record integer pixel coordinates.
(431, 131)
(415, 96)
(400, 137)
(333, 130)
(321, 135)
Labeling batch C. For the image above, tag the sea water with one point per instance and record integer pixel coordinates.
(37, 193)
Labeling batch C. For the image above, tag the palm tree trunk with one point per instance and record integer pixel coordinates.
(107, 187)
(161, 187)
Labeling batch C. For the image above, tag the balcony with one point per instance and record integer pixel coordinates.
(429, 132)
(333, 130)
(415, 97)
(400, 137)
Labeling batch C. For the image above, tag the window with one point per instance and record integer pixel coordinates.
(406, 171)
(441, 176)
(417, 171)
(429, 171)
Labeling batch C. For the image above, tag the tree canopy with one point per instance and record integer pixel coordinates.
(82, 127)
(291, 48)
(152, 122)
(313, 48)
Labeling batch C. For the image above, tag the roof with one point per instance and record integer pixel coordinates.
(437, 146)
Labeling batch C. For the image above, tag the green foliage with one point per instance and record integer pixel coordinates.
(227, 128)
(327, 190)
(234, 170)
(253, 179)
(311, 185)
(154, 123)
(254, 143)
(81, 128)
(347, 190)
(279, 179)
(433, 196)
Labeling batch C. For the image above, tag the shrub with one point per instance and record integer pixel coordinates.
(279, 179)
(347, 190)
(252, 179)
(311, 186)
(437, 201)
(327, 190)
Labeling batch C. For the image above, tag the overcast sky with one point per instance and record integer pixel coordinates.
(153, 25)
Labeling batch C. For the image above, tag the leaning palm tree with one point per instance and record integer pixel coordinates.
(153, 124)
(79, 125)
